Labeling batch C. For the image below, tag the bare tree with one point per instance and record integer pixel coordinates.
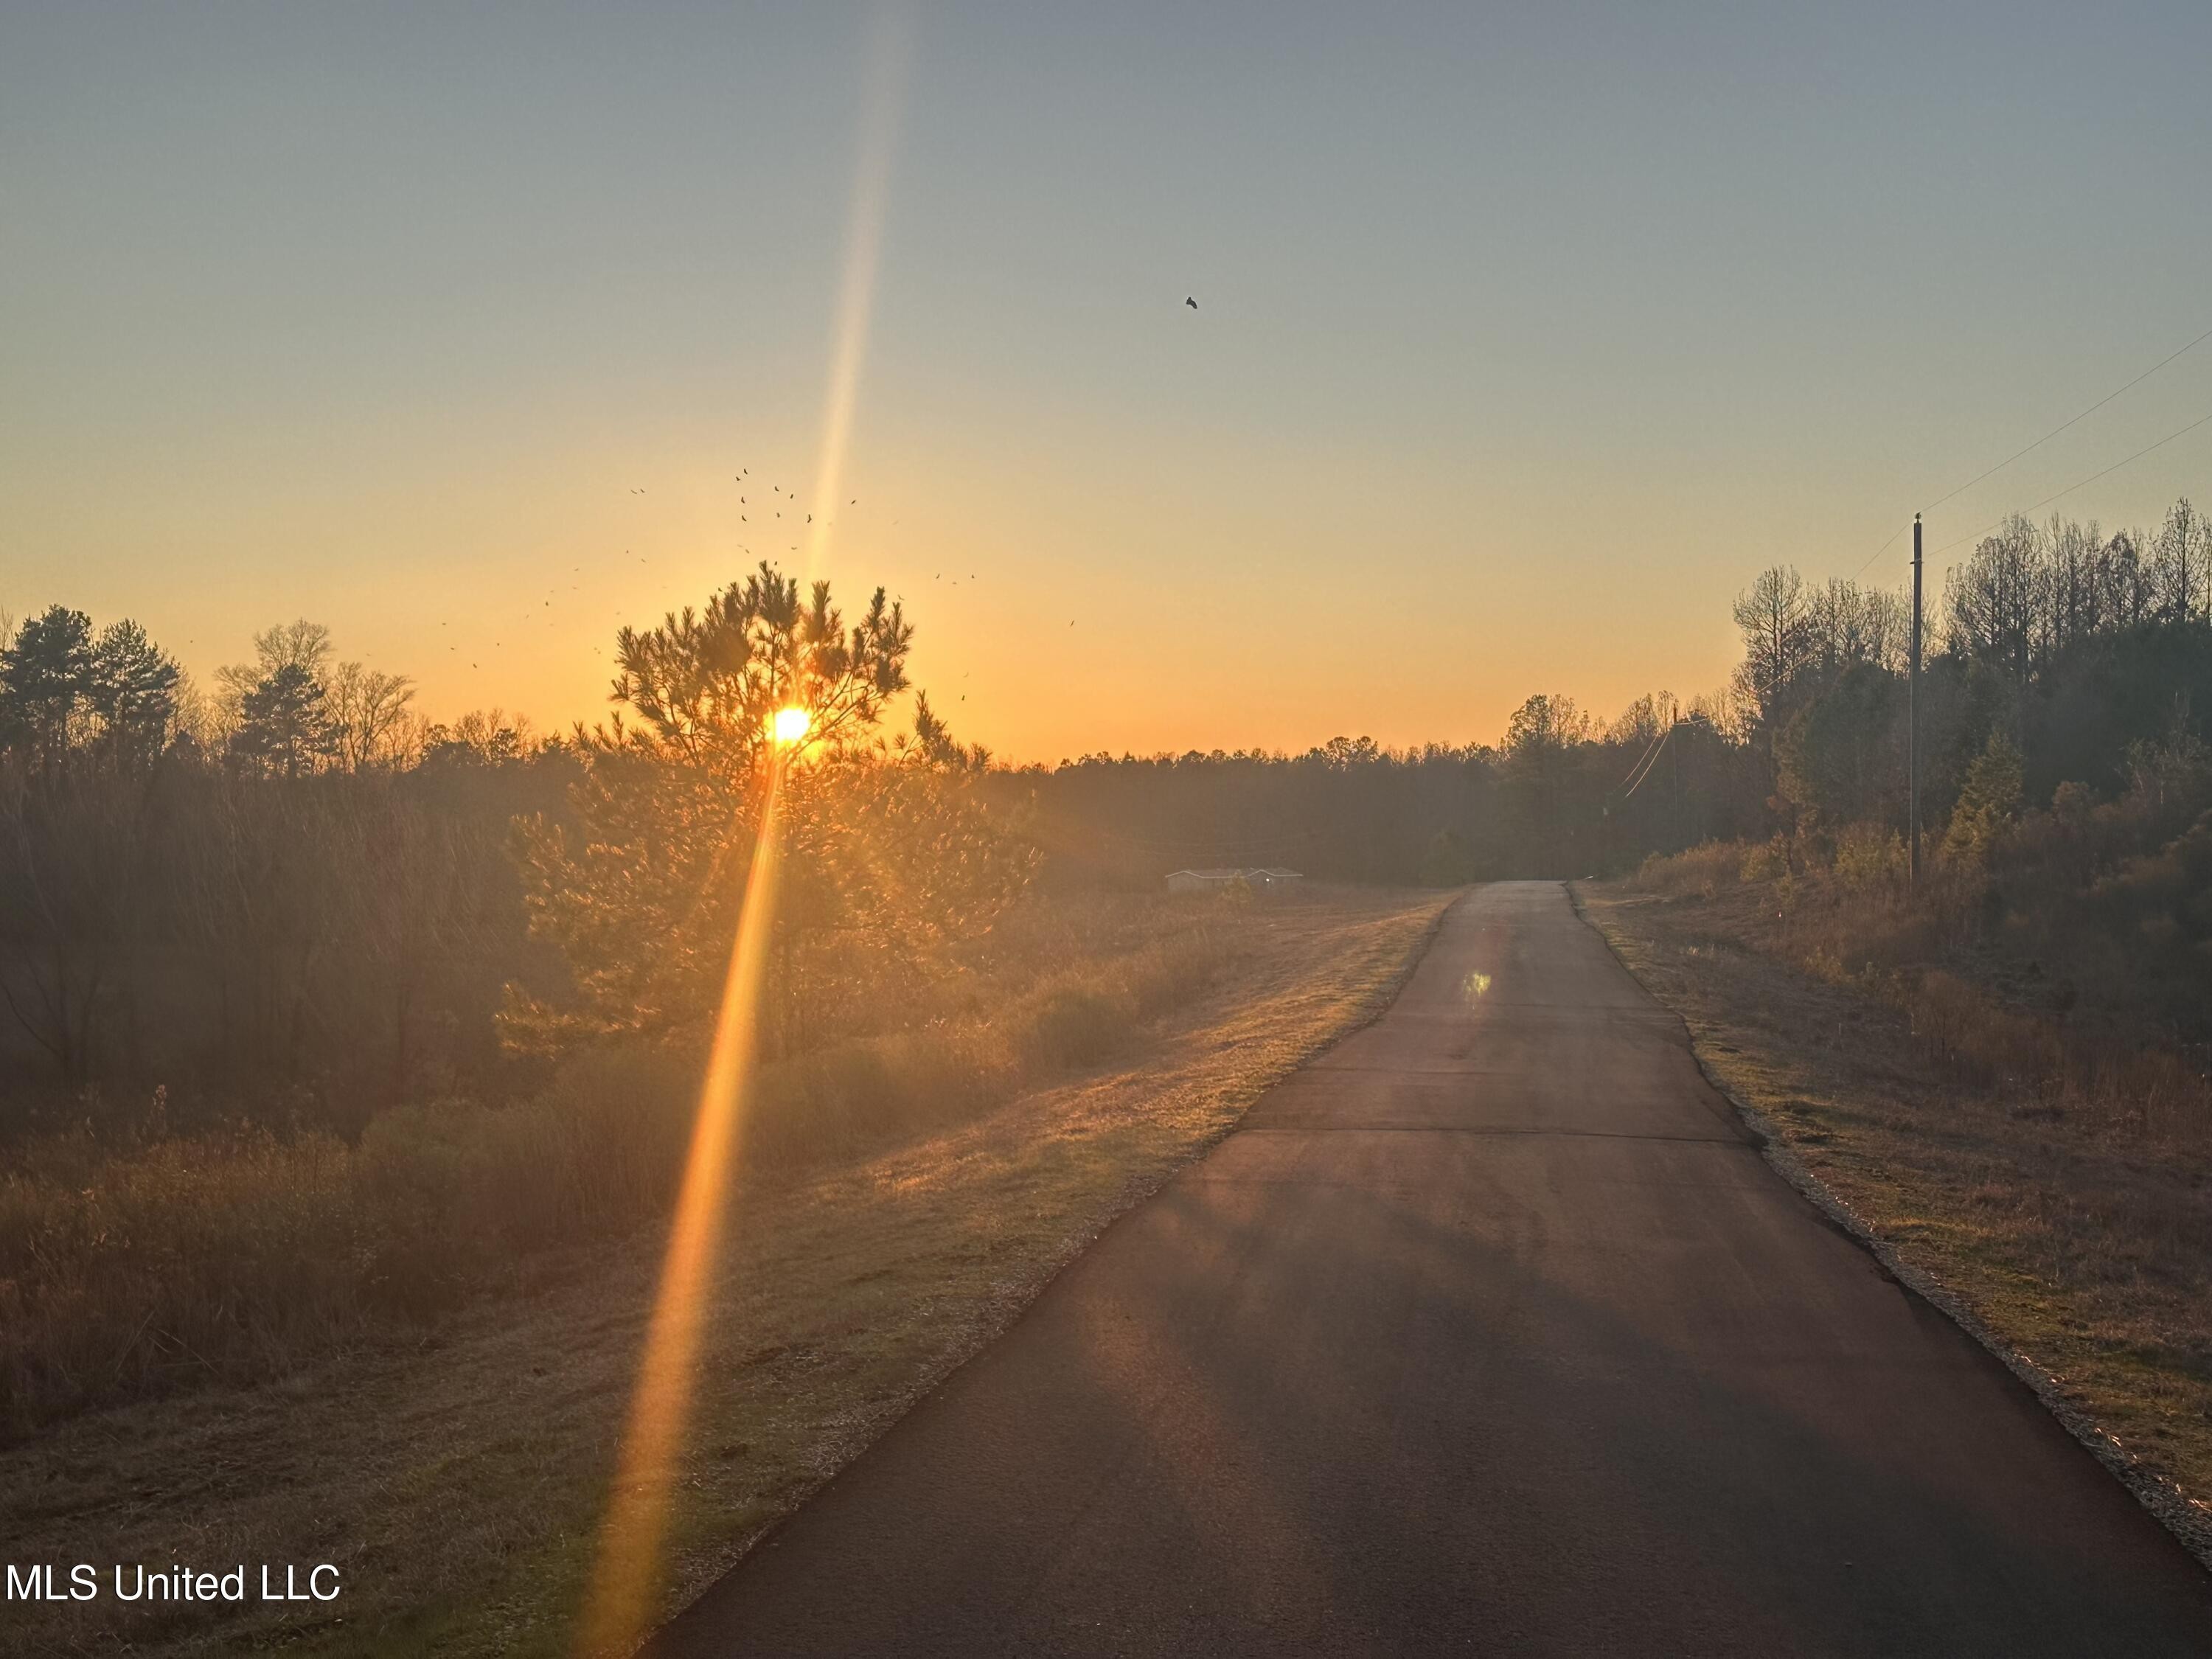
(301, 645)
(1777, 638)
(1846, 624)
(2181, 564)
(366, 710)
(1991, 599)
(2074, 587)
(2131, 594)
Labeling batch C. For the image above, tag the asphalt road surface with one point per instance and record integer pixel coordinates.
(1488, 1332)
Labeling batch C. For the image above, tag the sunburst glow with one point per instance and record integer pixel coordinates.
(620, 1607)
(790, 726)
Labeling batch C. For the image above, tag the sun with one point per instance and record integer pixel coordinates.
(789, 726)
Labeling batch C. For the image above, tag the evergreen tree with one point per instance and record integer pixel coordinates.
(888, 851)
(46, 680)
(283, 727)
(133, 691)
(1989, 800)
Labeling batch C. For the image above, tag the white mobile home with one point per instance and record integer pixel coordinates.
(1214, 881)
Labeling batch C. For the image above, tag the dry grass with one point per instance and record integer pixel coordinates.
(2066, 1205)
(142, 1266)
(455, 1480)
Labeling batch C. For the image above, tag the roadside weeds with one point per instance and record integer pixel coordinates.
(1831, 1149)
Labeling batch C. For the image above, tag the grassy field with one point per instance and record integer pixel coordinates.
(454, 1474)
(2072, 1225)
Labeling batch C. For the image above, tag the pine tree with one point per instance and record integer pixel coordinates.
(45, 685)
(885, 846)
(283, 727)
(1989, 800)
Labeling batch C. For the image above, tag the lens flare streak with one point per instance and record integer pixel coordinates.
(879, 113)
(621, 1603)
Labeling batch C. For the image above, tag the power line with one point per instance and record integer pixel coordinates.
(1649, 749)
(1644, 771)
(1883, 549)
(2084, 483)
(1654, 766)
(2037, 444)
(2083, 416)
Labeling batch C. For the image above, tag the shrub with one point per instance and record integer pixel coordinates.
(132, 1268)
(1768, 861)
(1868, 855)
(1076, 1026)
(1703, 869)
(1989, 802)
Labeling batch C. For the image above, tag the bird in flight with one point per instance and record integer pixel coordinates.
(1190, 301)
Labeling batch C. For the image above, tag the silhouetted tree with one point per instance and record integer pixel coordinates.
(887, 850)
(367, 711)
(1776, 623)
(46, 684)
(132, 693)
(283, 727)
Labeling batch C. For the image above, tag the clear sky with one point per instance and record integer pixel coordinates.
(1526, 334)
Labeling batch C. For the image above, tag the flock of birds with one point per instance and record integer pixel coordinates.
(741, 478)
(745, 502)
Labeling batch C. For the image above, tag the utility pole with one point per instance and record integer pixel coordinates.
(1912, 719)
(1674, 721)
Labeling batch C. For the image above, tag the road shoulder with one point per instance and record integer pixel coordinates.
(2037, 1245)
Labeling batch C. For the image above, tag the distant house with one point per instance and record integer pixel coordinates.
(1202, 881)
(1214, 881)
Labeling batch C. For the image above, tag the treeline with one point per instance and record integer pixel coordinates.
(1563, 794)
(2067, 795)
(292, 901)
(2056, 951)
(290, 893)
(2058, 652)
(290, 897)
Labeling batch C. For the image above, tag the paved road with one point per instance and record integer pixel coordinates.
(1487, 1333)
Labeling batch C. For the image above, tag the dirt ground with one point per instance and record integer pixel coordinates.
(455, 1483)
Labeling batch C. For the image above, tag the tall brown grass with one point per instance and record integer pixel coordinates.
(1992, 983)
(136, 1268)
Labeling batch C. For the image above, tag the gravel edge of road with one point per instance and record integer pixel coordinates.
(2189, 1526)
